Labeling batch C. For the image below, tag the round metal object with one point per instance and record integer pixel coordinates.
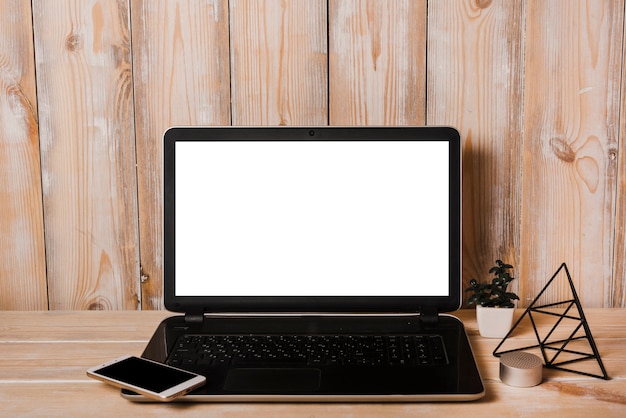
(520, 369)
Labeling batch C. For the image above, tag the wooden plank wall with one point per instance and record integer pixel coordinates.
(87, 88)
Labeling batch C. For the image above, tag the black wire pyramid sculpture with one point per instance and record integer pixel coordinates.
(556, 351)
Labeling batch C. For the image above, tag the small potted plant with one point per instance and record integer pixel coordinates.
(494, 305)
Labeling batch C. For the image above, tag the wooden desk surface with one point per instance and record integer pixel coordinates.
(44, 356)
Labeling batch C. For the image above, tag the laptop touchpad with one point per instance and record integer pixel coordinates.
(267, 380)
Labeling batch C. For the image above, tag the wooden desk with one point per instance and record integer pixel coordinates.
(44, 355)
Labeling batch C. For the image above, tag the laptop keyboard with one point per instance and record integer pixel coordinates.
(191, 351)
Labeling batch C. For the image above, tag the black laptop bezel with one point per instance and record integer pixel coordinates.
(301, 304)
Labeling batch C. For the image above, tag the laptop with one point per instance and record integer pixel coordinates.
(314, 264)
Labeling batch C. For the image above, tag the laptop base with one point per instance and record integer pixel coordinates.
(458, 380)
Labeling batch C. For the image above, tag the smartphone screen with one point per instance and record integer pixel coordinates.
(147, 377)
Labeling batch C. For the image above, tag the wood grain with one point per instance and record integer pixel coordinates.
(475, 70)
(59, 399)
(534, 87)
(279, 62)
(571, 120)
(616, 293)
(22, 251)
(87, 153)
(377, 62)
(181, 77)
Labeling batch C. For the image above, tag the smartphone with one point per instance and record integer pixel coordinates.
(149, 378)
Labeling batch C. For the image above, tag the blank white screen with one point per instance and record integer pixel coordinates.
(312, 218)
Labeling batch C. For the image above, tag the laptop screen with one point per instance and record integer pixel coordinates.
(265, 218)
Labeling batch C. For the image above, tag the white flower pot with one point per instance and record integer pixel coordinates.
(494, 322)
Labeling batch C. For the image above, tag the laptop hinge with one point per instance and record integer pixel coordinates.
(429, 316)
(194, 317)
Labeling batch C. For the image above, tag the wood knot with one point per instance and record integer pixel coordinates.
(99, 304)
(483, 4)
(96, 306)
(562, 150)
(74, 42)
